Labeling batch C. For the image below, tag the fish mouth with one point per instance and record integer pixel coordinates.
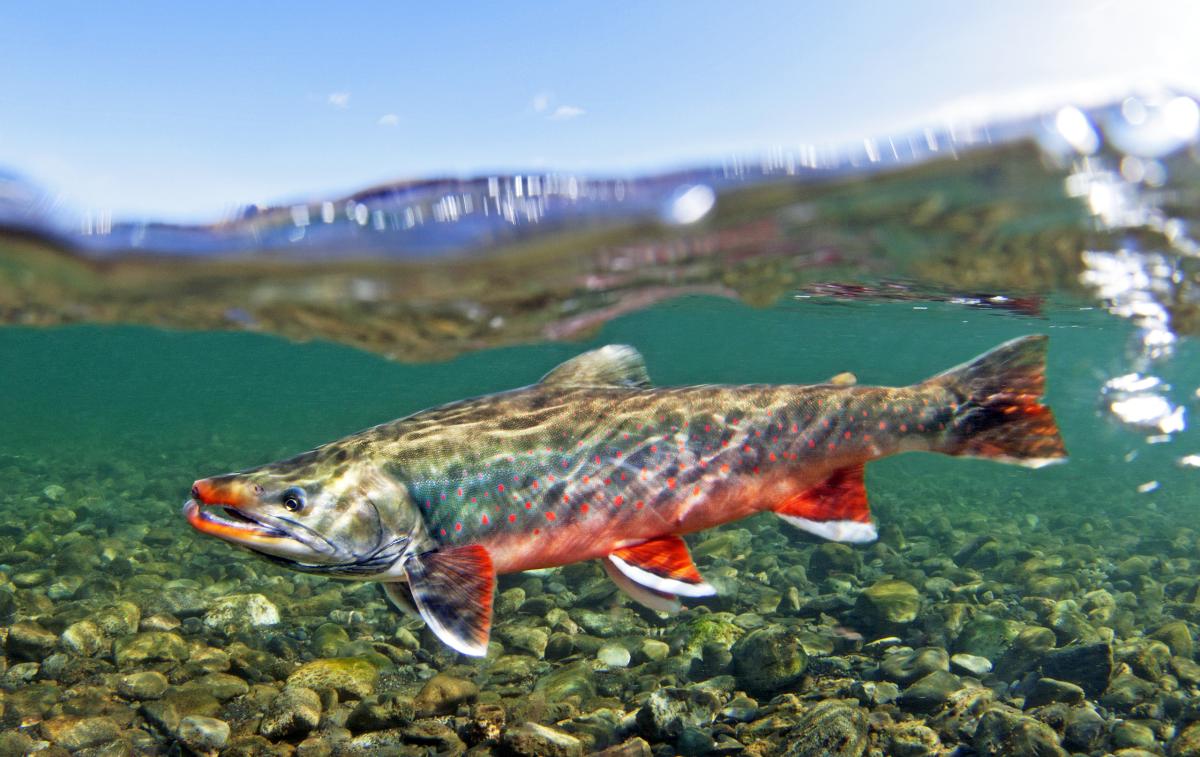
(231, 524)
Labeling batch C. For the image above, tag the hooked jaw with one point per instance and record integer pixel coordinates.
(218, 509)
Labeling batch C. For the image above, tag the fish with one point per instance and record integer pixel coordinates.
(595, 463)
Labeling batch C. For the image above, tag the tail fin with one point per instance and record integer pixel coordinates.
(999, 415)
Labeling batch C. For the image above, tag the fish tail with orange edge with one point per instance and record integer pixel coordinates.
(999, 414)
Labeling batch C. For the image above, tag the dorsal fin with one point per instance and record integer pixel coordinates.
(614, 365)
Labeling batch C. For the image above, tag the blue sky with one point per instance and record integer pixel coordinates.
(181, 110)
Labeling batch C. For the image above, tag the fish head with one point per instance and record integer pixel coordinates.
(349, 519)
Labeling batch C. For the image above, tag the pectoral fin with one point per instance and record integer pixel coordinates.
(664, 565)
(834, 509)
(452, 589)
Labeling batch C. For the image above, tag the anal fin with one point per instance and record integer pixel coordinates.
(664, 565)
(656, 600)
(452, 589)
(835, 509)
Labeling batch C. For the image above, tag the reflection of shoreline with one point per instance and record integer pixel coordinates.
(991, 229)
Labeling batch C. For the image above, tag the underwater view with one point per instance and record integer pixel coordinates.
(878, 449)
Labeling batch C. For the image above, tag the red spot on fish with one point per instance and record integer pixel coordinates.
(443, 532)
(654, 448)
(903, 427)
(566, 498)
(707, 427)
(485, 520)
(474, 500)
(812, 443)
(639, 504)
(550, 516)
(535, 484)
(670, 483)
(746, 449)
(847, 435)
(583, 508)
(608, 482)
(771, 457)
(460, 491)
(622, 476)
(500, 487)
(696, 492)
(832, 445)
(458, 526)
(619, 500)
(724, 468)
(882, 425)
(537, 531)
(586, 479)
(528, 505)
(795, 428)
(733, 422)
(618, 454)
(512, 518)
(920, 427)
(596, 459)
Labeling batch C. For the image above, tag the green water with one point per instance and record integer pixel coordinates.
(137, 413)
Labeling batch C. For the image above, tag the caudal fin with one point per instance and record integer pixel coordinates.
(999, 414)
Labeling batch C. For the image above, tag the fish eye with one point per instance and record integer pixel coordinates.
(293, 499)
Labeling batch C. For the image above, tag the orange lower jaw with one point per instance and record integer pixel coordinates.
(193, 511)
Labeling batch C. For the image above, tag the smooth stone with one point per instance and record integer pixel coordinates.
(1130, 734)
(223, 686)
(82, 638)
(653, 650)
(351, 677)
(1126, 690)
(150, 646)
(832, 727)
(523, 640)
(571, 680)
(614, 656)
(1177, 636)
(1005, 731)
(31, 578)
(534, 740)
(1048, 690)
(29, 641)
(242, 611)
(143, 685)
(118, 619)
(1084, 729)
(442, 694)
(768, 661)
(912, 739)
(74, 733)
(971, 664)
(327, 639)
(1088, 666)
(203, 735)
(986, 636)
(293, 712)
(694, 742)
(930, 692)
(888, 603)
(906, 666)
(833, 557)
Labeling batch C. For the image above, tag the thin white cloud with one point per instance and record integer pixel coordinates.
(567, 112)
(541, 101)
(389, 119)
(339, 100)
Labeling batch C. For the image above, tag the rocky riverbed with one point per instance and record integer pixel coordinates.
(1028, 631)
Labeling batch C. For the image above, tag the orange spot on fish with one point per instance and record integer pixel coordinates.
(583, 508)
(670, 483)
(639, 504)
(882, 425)
(696, 492)
(550, 516)
(847, 435)
(771, 457)
(903, 427)
(619, 500)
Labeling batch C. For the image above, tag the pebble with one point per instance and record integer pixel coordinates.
(294, 712)
(442, 694)
(203, 735)
(534, 740)
(614, 656)
(971, 664)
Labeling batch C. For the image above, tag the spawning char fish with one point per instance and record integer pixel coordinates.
(594, 463)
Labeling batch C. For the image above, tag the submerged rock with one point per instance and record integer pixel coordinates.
(1004, 731)
(351, 677)
(668, 712)
(293, 712)
(442, 694)
(533, 740)
(888, 604)
(150, 646)
(242, 611)
(769, 661)
(203, 735)
(833, 727)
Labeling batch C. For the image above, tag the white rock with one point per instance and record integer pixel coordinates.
(613, 655)
(971, 664)
(242, 610)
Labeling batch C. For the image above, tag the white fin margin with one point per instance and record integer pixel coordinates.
(664, 585)
(645, 597)
(853, 531)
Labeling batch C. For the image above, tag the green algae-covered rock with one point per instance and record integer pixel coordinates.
(351, 677)
(832, 557)
(293, 712)
(328, 639)
(887, 604)
(689, 637)
(1004, 731)
(150, 646)
(1177, 637)
(768, 661)
(572, 680)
